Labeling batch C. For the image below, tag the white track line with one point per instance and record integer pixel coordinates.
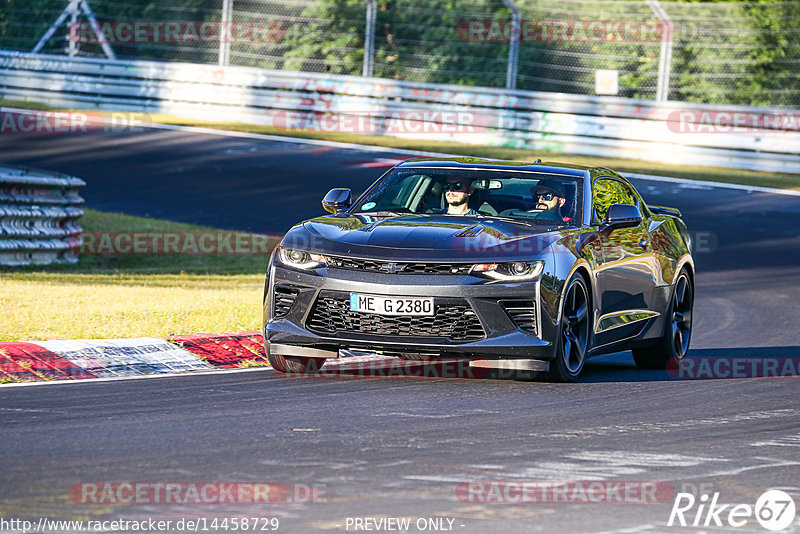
(298, 140)
(372, 148)
(721, 185)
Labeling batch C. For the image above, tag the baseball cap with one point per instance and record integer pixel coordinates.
(551, 185)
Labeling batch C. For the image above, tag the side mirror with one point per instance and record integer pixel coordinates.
(622, 216)
(337, 200)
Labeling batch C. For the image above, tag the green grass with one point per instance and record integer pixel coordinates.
(24, 104)
(109, 296)
(695, 172)
(96, 221)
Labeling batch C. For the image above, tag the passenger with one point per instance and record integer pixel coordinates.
(550, 197)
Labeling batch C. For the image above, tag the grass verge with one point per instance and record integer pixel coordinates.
(112, 296)
(694, 172)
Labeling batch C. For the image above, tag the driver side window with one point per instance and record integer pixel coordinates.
(608, 191)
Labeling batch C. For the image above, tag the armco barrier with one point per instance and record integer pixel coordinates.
(602, 126)
(39, 212)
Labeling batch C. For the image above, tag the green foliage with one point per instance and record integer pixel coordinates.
(419, 40)
(332, 41)
(23, 22)
(751, 62)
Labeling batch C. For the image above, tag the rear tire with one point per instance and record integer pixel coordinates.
(294, 364)
(573, 338)
(674, 343)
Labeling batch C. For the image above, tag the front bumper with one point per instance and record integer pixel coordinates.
(503, 339)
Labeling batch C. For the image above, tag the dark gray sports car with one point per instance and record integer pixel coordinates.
(529, 266)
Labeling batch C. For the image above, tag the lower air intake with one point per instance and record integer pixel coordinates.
(453, 320)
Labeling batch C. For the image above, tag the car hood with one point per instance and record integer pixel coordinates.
(433, 237)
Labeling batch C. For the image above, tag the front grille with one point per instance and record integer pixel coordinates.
(284, 297)
(523, 313)
(356, 264)
(453, 319)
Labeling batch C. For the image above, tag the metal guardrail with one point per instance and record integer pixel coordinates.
(595, 126)
(39, 212)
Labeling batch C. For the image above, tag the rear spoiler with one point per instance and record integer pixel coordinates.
(663, 210)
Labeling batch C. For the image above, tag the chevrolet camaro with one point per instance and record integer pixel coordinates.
(525, 266)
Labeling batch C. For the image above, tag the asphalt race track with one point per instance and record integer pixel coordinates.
(399, 446)
(227, 182)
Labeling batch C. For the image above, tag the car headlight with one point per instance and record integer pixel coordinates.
(509, 271)
(300, 259)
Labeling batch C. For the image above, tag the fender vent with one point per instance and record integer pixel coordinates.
(523, 313)
(283, 298)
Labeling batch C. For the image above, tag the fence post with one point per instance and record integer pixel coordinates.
(73, 31)
(369, 38)
(70, 10)
(73, 23)
(513, 46)
(224, 43)
(665, 55)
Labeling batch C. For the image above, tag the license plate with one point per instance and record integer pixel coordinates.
(399, 306)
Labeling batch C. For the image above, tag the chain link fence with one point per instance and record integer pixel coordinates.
(745, 53)
(565, 61)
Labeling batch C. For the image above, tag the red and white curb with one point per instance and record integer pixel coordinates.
(115, 358)
(24, 363)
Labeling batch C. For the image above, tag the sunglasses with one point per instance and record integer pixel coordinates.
(547, 197)
(455, 186)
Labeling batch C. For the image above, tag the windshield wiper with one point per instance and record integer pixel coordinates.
(520, 220)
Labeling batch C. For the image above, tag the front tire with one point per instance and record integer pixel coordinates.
(573, 338)
(674, 344)
(294, 364)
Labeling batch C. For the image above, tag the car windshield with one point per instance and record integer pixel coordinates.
(535, 197)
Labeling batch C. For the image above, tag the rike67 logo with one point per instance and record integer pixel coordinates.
(774, 510)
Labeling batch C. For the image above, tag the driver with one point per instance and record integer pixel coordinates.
(549, 196)
(457, 193)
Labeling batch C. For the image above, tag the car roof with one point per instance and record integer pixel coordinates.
(491, 164)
